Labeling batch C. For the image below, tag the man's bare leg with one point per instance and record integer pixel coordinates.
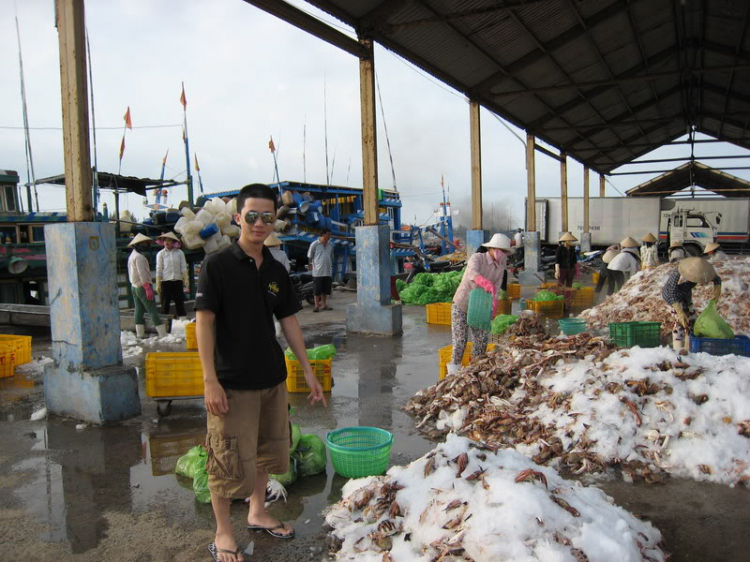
(258, 514)
(324, 300)
(224, 536)
(317, 301)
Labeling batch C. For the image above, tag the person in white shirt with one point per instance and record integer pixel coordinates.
(676, 252)
(649, 252)
(172, 275)
(626, 263)
(518, 239)
(139, 274)
(274, 244)
(714, 252)
(320, 255)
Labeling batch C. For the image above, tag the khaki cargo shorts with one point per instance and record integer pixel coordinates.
(254, 434)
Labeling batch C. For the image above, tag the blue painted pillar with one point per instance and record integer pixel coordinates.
(474, 239)
(373, 313)
(586, 242)
(532, 260)
(87, 380)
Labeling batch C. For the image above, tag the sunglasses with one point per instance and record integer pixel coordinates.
(252, 217)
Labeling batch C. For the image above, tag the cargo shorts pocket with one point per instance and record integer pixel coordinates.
(224, 458)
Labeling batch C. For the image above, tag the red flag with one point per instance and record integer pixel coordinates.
(128, 122)
(122, 147)
(197, 168)
(271, 145)
(164, 160)
(183, 99)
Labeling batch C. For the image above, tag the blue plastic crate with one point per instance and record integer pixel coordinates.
(740, 345)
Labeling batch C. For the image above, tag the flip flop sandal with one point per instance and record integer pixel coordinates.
(215, 550)
(270, 531)
(327, 308)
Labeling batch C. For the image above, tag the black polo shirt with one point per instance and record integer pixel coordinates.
(247, 355)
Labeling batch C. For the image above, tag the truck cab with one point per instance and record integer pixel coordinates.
(692, 228)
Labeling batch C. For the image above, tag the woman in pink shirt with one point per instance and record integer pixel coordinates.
(483, 271)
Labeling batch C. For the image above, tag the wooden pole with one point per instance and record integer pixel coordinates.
(564, 191)
(602, 186)
(531, 181)
(476, 166)
(369, 140)
(585, 199)
(71, 29)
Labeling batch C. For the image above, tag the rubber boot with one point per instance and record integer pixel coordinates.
(677, 345)
(161, 330)
(140, 331)
(453, 369)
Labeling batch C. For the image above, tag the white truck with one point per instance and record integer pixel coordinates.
(694, 222)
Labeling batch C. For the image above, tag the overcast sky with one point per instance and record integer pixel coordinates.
(248, 76)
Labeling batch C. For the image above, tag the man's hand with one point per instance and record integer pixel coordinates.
(158, 286)
(557, 271)
(185, 283)
(149, 291)
(316, 391)
(215, 398)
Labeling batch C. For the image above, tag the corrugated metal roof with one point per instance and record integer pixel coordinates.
(692, 174)
(574, 72)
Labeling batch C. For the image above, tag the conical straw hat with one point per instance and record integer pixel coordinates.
(169, 235)
(649, 238)
(629, 243)
(675, 244)
(711, 247)
(272, 240)
(609, 256)
(567, 237)
(138, 239)
(697, 270)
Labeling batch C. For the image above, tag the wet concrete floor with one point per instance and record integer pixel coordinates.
(111, 493)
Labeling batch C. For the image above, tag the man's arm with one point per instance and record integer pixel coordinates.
(293, 335)
(214, 395)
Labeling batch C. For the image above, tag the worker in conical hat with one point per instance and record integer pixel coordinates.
(649, 252)
(172, 279)
(714, 252)
(678, 292)
(605, 274)
(139, 274)
(274, 243)
(484, 271)
(626, 263)
(566, 259)
(677, 252)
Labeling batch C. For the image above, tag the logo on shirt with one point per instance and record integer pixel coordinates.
(273, 287)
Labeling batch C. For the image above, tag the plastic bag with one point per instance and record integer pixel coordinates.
(289, 477)
(315, 354)
(479, 314)
(200, 487)
(296, 434)
(310, 455)
(711, 325)
(502, 322)
(577, 286)
(545, 296)
(192, 462)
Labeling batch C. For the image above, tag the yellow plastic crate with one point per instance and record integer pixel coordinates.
(22, 345)
(583, 297)
(504, 307)
(514, 291)
(595, 277)
(439, 313)
(444, 356)
(295, 376)
(548, 285)
(8, 360)
(170, 374)
(191, 341)
(550, 309)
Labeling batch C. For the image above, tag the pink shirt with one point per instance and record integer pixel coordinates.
(484, 265)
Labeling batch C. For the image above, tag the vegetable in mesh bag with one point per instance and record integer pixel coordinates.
(192, 462)
(429, 296)
(542, 296)
(502, 322)
(289, 477)
(711, 325)
(479, 314)
(310, 455)
(411, 293)
(400, 285)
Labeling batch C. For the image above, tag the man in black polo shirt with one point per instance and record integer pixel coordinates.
(240, 291)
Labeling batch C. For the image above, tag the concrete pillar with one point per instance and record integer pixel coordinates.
(586, 242)
(369, 135)
(86, 380)
(373, 313)
(585, 199)
(474, 239)
(531, 275)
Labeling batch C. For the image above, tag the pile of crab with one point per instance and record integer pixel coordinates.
(461, 502)
(579, 405)
(640, 299)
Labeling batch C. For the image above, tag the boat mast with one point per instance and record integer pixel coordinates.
(30, 176)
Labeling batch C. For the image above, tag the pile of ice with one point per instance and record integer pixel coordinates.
(640, 299)
(211, 228)
(462, 503)
(34, 367)
(132, 346)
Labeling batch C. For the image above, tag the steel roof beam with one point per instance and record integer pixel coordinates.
(737, 49)
(377, 18)
(661, 160)
(313, 26)
(666, 171)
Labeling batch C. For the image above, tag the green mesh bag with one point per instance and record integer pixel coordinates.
(479, 314)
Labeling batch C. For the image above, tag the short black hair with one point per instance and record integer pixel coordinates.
(255, 191)
(325, 231)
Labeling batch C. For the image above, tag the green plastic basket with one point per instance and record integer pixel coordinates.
(572, 326)
(479, 312)
(629, 334)
(360, 451)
